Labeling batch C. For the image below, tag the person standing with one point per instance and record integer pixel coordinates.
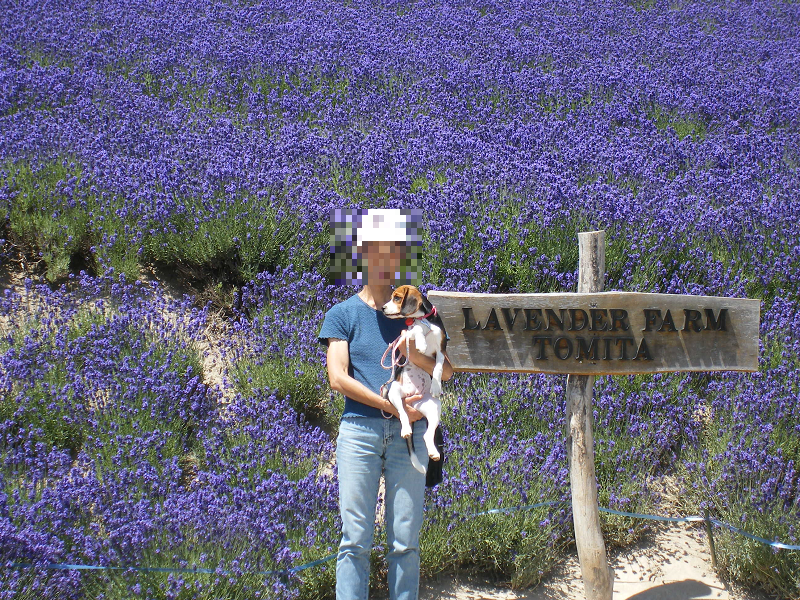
(369, 443)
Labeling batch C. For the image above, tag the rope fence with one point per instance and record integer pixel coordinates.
(494, 511)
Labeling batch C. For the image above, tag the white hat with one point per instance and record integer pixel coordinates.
(383, 225)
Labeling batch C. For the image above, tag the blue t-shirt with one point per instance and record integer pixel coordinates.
(368, 333)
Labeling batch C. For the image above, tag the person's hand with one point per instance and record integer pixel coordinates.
(413, 413)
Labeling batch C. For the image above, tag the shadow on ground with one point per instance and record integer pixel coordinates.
(677, 590)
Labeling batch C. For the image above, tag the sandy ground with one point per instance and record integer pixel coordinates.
(215, 363)
(672, 564)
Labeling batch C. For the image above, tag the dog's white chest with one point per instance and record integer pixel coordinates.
(414, 381)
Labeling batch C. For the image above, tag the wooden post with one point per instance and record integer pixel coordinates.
(598, 577)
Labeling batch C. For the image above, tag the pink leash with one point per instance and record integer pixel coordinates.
(393, 346)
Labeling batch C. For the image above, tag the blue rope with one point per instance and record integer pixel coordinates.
(493, 511)
(62, 566)
(652, 517)
(695, 519)
(313, 563)
(779, 545)
(505, 511)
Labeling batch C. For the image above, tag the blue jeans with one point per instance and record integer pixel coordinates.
(365, 446)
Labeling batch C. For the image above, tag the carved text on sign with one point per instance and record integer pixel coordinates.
(605, 332)
(595, 347)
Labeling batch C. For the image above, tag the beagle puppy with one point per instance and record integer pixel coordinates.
(427, 331)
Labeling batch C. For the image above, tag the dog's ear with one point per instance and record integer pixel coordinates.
(410, 305)
(426, 305)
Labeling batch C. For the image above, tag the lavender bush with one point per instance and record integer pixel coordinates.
(211, 140)
(116, 453)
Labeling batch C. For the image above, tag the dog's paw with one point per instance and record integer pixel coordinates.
(434, 455)
(436, 388)
(405, 432)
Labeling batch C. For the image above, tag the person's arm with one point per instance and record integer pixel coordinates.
(425, 362)
(341, 381)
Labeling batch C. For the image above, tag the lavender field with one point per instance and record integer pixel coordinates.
(207, 141)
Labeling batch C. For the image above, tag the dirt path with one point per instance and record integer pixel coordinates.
(672, 564)
(211, 345)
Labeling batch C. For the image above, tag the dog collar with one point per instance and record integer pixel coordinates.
(410, 322)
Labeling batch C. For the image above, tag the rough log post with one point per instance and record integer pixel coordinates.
(598, 577)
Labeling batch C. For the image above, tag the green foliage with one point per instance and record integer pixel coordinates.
(546, 63)
(535, 252)
(49, 213)
(301, 381)
(529, 252)
(683, 125)
(56, 214)
(520, 546)
(742, 559)
(514, 544)
(46, 59)
(695, 259)
(319, 583)
(196, 553)
(145, 410)
(46, 414)
(244, 238)
(281, 370)
(228, 241)
(424, 182)
(346, 182)
(116, 233)
(561, 104)
(738, 557)
(189, 87)
(47, 406)
(719, 467)
(641, 5)
(54, 410)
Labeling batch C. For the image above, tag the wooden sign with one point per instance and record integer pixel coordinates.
(602, 333)
(596, 333)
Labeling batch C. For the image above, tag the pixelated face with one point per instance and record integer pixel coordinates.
(383, 262)
(361, 250)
